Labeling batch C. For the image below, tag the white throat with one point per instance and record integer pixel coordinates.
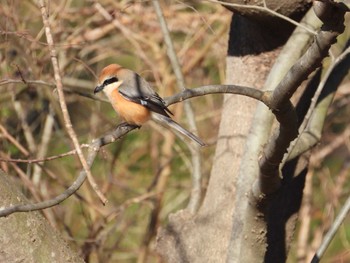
(111, 87)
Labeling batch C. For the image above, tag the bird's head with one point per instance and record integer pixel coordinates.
(112, 74)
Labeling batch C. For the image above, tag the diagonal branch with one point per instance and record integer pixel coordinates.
(327, 11)
(62, 101)
(93, 150)
(332, 231)
(196, 192)
(314, 120)
(279, 102)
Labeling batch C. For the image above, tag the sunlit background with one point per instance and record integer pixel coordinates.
(145, 175)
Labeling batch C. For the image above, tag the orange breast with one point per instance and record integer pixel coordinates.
(131, 112)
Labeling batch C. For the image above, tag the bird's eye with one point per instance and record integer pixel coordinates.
(110, 80)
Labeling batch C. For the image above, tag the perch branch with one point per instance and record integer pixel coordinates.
(179, 97)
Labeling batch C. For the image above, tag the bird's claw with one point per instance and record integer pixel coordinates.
(125, 124)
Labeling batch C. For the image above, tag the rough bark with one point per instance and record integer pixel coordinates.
(27, 237)
(293, 9)
(205, 236)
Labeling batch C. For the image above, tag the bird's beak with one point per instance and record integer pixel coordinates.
(98, 89)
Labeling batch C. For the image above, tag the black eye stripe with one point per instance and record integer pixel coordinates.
(110, 80)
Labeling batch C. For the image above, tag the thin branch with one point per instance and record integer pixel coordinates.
(26, 181)
(52, 202)
(13, 140)
(196, 192)
(28, 135)
(134, 39)
(20, 81)
(332, 231)
(76, 86)
(121, 131)
(95, 146)
(44, 144)
(339, 141)
(63, 104)
(40, 160)
(179, 97)
(257, 94)
(305, 219)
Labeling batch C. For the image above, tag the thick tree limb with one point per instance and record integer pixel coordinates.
(310, 130)
(269, 179)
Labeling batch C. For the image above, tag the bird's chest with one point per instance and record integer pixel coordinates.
(131, 112)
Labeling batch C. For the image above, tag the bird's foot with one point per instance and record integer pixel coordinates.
(125, 124)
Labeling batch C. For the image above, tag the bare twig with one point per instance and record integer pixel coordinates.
(28, 135)
(257, 94)
(179, 97)
(36, 82)
(13, 140)
(40, 160)
(93, 150)
(339, 141)
(52, 202)
(305, 219)
(332, 231)
(44, 144)
(63, 104)
(75, 86)
(133, 38)
(205, 50)
(27, 182)
(196, 192)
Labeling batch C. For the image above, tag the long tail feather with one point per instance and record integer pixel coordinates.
(163, 120)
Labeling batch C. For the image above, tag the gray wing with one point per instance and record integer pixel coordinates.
(137, 90)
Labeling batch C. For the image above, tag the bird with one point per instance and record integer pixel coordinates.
(133, 98)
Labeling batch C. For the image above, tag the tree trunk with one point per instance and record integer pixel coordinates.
(218, 232)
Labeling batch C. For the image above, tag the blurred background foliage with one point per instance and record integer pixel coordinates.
(89, 35)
